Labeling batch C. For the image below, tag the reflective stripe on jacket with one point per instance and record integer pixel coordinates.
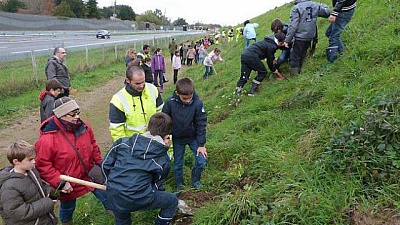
(137, 109)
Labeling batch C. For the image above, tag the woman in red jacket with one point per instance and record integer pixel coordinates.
(60, 137)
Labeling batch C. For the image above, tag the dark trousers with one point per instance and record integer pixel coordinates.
(165, 201)
(299, 53)
(249, 64)
(175, 75)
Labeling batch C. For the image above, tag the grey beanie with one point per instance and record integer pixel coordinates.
(63, 106)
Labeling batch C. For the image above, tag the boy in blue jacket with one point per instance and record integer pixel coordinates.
(135, 169)
(187, 112)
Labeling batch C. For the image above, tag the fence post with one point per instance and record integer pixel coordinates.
(103, 52)
(34, 66)
(87, 56)
(116, 52)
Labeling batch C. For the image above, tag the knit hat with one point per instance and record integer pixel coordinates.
(63, 106)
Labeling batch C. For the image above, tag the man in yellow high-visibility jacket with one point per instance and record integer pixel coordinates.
(132, 106)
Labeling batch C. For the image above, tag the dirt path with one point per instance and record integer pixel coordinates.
(94, 109)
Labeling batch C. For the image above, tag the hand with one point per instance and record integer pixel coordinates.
(286, 44)
(67, 188)
(332, 19)
(203, 151)
(167, 140)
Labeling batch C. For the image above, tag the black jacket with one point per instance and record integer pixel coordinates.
(190, 120)
(342, 5)
(260, 50)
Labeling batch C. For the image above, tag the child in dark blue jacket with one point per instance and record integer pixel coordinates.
(187, 112)
(135, 169)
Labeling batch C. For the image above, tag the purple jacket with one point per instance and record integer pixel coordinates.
(157, 63)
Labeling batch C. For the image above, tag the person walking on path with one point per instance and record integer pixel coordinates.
(251, 59)
(249, 32)
(172, 46)
(136, 168)
(343, 11)
(56, 68)
(302, 28)
(190, 121)
(176, 65)
(158, 69)
(132, 106)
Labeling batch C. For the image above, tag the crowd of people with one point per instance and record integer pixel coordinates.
(141, 124)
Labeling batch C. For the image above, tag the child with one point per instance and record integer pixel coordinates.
(135, 169)
(176, 65)
(209, 62)
(190, 121)
(24, 197)
(302, 29)
(147, 70)
(158, 69)
(202, 54)
(47, 98)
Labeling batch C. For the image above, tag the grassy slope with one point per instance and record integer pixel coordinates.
(272, 141)
(264, 162)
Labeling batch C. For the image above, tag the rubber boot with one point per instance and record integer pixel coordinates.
(253, 88)
(294, 71)
(162, 221)
(196, 175)
(68, 223)
(331, 53)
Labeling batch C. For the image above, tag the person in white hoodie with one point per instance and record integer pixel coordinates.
(176, 64)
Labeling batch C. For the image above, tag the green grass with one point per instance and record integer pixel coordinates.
(269, 157)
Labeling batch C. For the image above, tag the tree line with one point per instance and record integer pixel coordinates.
(86, 9)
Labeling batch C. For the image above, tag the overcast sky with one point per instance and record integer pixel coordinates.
(223, 12)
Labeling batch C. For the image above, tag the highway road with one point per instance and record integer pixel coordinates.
(13, 47)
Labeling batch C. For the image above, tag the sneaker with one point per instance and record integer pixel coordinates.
(250, 94)
(197, 185)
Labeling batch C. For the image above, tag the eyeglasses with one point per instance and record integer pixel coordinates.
(63, 52)
(73, 114)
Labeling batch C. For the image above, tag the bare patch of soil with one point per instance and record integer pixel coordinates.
(387, 216)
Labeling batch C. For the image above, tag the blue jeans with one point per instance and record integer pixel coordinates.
(179, 153)
(67, 208)
(165, 201)
(335, 29)
(283, 57)
(209, 70)
(248, 42)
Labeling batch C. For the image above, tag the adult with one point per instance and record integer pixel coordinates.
(132, 106)
(251, 59)
(136, 168)
(56, 68)
(172, 46)
(302, 28)
(62, 136)
(343, 11)
(249, 32)
(144, 53)
(130, 55)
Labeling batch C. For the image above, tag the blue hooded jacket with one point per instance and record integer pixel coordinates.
(134, 169)
(190, 120)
